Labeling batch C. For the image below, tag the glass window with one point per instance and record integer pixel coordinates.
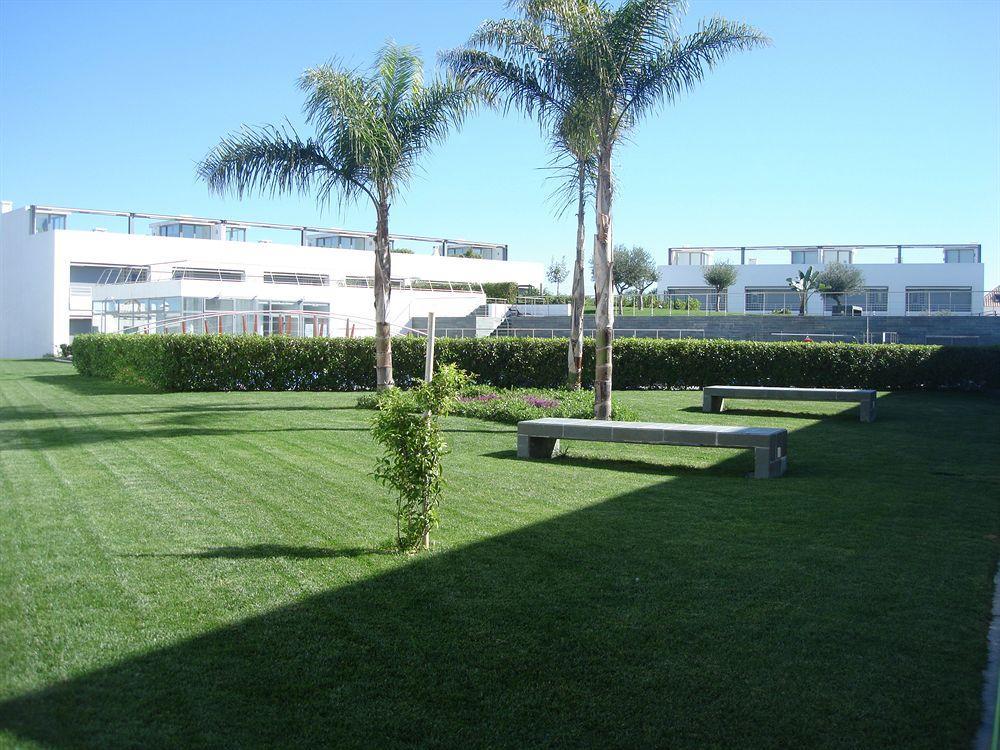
(959, 255)
(292, 277)
(771, 300)
(801, 257)
(190, 231)
(938, 300)
(236, 234)
(87, 274)
(80, 325)
(209, 274)
(837, 256)
(871, 300)
(46, 222)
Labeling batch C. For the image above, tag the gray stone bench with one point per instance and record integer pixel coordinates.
(539, 438)
(714, 397)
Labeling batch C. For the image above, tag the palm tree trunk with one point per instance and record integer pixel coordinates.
(603, 280)
(383, 290)
(575, 353)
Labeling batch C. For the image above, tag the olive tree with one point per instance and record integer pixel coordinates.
(720, 276)
(841, 279)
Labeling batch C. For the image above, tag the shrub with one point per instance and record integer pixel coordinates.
(278, 363)
(407, 427)
(510, 406)
(686, 303)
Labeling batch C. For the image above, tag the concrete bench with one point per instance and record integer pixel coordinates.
(714, 397)
(539, 438)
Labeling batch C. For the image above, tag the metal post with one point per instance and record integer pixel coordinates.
(302, 237)
(429, 354)
(743, 256)
(131, 227)
(899, 253)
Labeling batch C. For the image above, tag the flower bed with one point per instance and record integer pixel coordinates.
(511, 405)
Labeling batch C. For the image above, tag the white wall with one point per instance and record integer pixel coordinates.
(894, 276)
(28, 306)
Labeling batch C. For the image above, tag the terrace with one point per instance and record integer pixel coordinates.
(47, 218)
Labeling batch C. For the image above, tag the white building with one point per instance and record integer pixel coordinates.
(899, 279)
(60, 275)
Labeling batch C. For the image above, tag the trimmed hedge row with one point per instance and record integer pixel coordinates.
(278, 363)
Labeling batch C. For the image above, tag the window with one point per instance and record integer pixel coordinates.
(87, 274)
(46, 222)
(236, 234)
(837, 256)
(932, 301)
(688, 258)
(209, 274)
(802, 257)
(190, 231)
(340, 241)
(771, 299)
(871, 300)
(959, 255)
(292, 277)
(486, 253)
(80, 325)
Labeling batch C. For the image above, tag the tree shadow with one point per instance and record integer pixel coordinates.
(270, 551)
(30, 415)
(60, 437)
(699, 611)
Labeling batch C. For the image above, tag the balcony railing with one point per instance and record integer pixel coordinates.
(57, 217)
(805, 255)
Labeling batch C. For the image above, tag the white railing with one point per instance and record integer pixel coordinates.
(295, 323)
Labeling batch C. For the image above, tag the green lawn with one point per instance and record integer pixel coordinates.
(211, 570)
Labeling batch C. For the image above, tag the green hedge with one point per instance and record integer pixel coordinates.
(223, 363)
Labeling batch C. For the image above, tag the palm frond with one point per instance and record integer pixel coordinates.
(685, 63)
(270, 160)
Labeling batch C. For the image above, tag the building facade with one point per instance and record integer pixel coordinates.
(60, 276)
(898, 279)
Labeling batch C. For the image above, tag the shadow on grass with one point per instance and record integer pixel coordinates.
(200, 410)
(729, 467)
(60, 437)
(784, 414)
(271, 551)
(699, 611)
(83, 385)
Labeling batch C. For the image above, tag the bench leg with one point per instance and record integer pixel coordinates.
(768, 464)
(537, 447)
(710, 403)
(868, 411)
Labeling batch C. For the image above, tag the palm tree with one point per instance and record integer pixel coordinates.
(628, 61)
(516, 63)
(806, 284)
(370, 131)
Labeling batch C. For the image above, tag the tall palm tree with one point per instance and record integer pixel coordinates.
(627, 62)
(370, 131)
(517, 63)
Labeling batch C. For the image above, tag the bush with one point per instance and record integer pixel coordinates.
(686, 303)
(279, 363)
(407, 428)
(511, 405)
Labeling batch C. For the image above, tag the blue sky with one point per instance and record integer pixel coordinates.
(866, 122)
